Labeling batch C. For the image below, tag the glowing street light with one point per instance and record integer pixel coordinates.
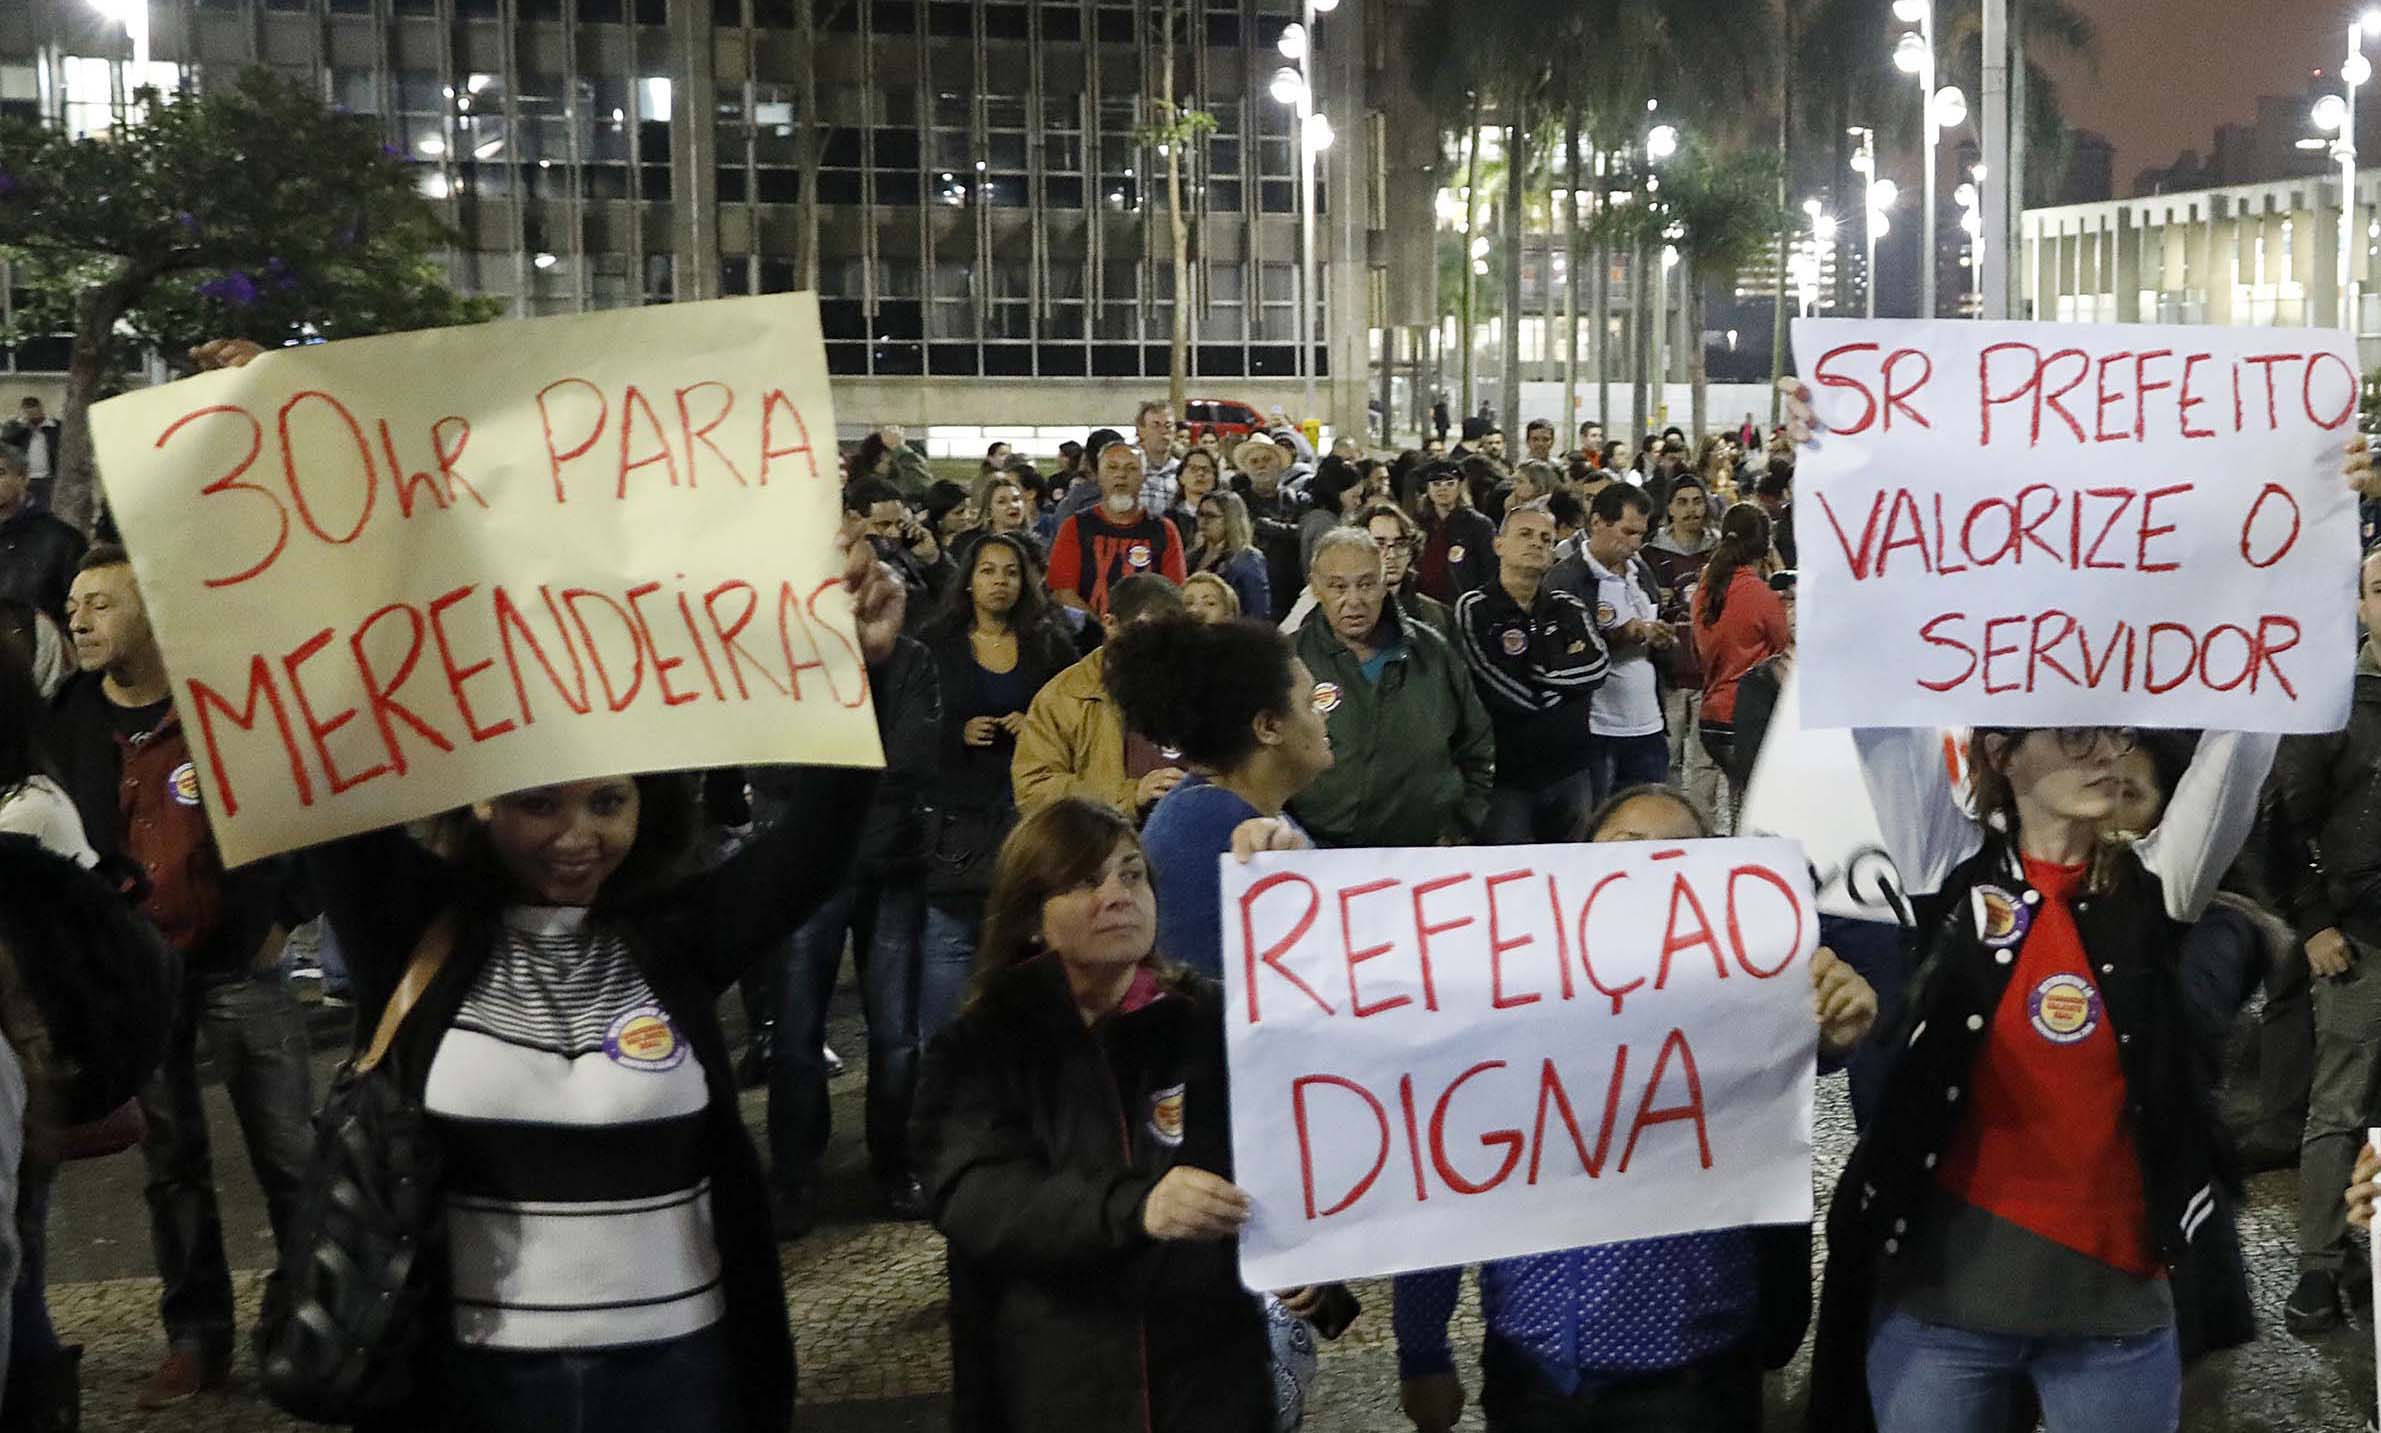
(1661, 142)
(1292, 43)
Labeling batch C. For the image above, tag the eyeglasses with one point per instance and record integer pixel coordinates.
(2078, 742)
(1393, 544)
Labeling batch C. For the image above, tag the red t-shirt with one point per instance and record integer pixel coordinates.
(2046, 1144)
(1091, 554)
(1751, 630)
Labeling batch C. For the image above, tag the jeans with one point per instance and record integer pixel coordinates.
(1626, 761)
(882, 917)
(2347, 1064)
(256, 1033)
(1691, 767)
(1543, 815)
(946, 961)
(2285, 1059)
(681, 1386)
(1927, 1378)
(1722, 1394)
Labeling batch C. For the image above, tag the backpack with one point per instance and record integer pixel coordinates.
(102, 978)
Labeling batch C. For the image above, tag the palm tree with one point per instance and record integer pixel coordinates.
(1719, 211)
(1522, 62)
(1845, 52)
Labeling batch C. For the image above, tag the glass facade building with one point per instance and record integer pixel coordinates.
(989, 208)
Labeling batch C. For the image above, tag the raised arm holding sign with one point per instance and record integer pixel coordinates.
(2022, 524)
(393, 575)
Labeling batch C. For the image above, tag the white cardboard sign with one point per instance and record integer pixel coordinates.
(1442, 1056)
(2032, 524)
(1807, 787)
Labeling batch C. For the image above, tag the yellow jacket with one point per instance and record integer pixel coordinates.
(1073, 743)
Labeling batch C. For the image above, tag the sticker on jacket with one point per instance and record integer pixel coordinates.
(1455, 553)
(2065, 1009)
(184, 784)
(1326, 697)
(1137, 554)
(1516, 641)
(643, 1039)
(2001, 919)
(1165, 1117)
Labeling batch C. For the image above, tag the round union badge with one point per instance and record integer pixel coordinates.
(184, 783)
(644, 1039)
(1516, 641)
(1455, 553)
(2001, 918)
(1326, 697)
(1604, 614)
(1137, 554)
(2065, 1009)
(1165, 1116)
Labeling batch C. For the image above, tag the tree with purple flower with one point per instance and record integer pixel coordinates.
(247, 211)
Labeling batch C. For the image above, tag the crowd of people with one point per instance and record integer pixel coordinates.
(1091, 683)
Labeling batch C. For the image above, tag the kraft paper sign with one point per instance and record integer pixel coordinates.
(2042, 524)
(1442, 1056)
(395, 575)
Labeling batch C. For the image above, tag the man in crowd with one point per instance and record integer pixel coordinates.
(128, 766)
(876, 508)
(2327, 791)
(1122, 537)
(1538, 661)
(1075, 742)
(1413, 754)
(1631, 745)
(1153, 439)
(1775, 493)
(1153, 428)
(35, 434)
(1538, 437)
(1274, 512)
(1591, 442)
(908, 474)
(38, 553)
(880, 909)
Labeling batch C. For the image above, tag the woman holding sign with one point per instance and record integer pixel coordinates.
(609, 1261)
(1076, 1142)
(2044, 1152)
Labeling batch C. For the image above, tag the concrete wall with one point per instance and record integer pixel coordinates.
(1674, 406)
(863, 403)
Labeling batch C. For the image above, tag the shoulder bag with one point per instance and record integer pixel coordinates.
(344, 1321)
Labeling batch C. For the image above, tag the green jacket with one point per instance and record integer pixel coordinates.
(1413, 757)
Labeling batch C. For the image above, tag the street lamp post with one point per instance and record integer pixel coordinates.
(2354, 71)
(1294, 85)
(1915, 55)
(1864, 164)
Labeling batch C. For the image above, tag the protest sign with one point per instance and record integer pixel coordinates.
(2007, 524)
(395, 575)
(1807, 787)
(1440, 1055)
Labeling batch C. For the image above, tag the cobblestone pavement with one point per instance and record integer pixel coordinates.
(867, 1301)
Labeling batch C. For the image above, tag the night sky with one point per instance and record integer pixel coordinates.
(2172, 70)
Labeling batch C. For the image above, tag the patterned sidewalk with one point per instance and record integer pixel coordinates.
(867, 1299)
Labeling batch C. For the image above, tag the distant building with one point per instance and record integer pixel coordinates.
(2241, 254)
(995, 239)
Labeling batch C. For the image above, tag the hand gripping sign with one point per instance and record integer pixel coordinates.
(395, 575)
(1441, 1056)
(2009, 524)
